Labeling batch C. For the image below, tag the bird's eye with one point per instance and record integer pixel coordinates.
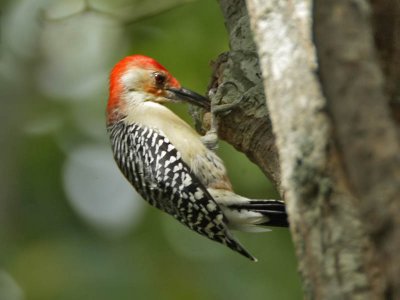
(159, 79)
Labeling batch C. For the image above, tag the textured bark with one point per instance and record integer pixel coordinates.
(237, 74)
(335, 158)
(331, 244)
(386, 30)
(357, 91)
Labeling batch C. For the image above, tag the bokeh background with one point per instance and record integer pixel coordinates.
(71, 227)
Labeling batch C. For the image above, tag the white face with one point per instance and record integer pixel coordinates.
(135, 79)
(138, 85)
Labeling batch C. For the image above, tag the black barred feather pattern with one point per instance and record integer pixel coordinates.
(155, 168)
(274, 210)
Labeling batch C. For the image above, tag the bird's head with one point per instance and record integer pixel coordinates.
(137, 79)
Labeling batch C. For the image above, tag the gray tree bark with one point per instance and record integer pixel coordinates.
(358, 96)
(237, 74)
(318, 117)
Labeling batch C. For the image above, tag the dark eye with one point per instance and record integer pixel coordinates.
(159, 79)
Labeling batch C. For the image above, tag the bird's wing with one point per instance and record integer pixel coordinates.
(155, 168)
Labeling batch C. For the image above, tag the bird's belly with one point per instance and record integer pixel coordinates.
(210, 170)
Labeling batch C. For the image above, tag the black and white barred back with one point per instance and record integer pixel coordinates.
(155, 168)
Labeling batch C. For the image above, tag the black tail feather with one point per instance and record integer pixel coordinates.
(274, 210)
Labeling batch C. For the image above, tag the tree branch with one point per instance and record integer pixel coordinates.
(237, 74)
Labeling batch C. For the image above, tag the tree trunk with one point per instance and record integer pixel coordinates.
(325, 134)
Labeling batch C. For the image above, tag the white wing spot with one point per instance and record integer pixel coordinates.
(199, 194)
(153, 140)
(187, 181)
(211, 206)
(170, 161)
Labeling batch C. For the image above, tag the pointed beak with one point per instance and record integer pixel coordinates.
(182, 94)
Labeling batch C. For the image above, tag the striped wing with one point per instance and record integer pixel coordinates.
(155, 168)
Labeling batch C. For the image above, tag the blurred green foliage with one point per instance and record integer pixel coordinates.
(52, 253)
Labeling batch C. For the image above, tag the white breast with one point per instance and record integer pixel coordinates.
(180, 134)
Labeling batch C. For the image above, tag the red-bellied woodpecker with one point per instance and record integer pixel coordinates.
(166, 160)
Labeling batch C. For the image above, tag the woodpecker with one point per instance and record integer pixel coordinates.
(167, 162)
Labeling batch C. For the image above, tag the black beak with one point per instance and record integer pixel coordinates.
(189, 96)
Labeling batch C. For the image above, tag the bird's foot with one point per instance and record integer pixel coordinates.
(210, 139)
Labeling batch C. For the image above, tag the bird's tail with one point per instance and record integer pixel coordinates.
(254, 215)
(250, 215)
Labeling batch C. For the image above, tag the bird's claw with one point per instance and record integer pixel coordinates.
(224, 109)
(210, 139)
